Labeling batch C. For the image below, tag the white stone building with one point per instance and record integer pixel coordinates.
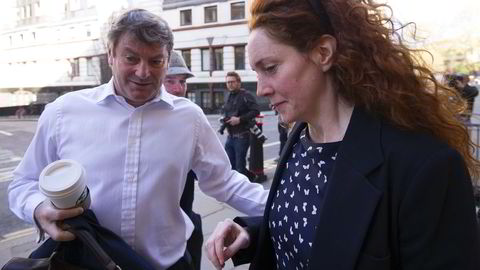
(204, 26)
(49, 47)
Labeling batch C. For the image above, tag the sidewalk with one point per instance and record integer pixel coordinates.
(22, 243)
(14, 118)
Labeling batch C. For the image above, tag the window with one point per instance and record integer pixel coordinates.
(89, 32)
(238, 11)
(217, 59)
(90, 67)
(239, 57)
(186, 17)
(205, 59)
(210, 14)
(38, 10)
(191, 95)
(28, 11)
(75, 67)
(206, 101)
(219, 99)
(187, 56)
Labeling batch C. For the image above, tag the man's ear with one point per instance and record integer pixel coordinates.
(324, 52)
(110, 56)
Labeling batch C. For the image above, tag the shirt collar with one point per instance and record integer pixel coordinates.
(109, 90)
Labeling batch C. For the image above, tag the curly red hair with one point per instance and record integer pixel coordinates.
(373, 67)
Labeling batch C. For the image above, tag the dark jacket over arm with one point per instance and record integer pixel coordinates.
(252, 225)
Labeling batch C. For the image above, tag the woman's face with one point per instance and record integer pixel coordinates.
(293, 83)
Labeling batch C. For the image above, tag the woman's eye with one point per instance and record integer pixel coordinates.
(270, 68)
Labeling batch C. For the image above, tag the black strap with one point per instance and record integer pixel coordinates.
(96, 249)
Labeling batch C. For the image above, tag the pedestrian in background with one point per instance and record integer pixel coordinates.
(176, 84)
(20, 112)
(137, 144)
(376, 172)
(467, 92)
(239, 112)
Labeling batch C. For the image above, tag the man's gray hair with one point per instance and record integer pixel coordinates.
(144, 25)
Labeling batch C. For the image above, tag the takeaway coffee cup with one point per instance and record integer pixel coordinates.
(64, 183)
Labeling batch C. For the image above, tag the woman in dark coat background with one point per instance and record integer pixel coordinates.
(377, 172)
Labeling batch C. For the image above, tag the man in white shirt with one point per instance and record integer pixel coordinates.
(137, 143)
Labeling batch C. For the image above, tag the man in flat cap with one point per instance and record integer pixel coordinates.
(176, 84)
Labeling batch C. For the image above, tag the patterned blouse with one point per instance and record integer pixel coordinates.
(295, 210)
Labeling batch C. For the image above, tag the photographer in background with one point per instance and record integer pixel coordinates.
(468, 92)
(239, 111)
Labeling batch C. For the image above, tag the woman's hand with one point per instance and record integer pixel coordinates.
(50, 219)
(227, 238)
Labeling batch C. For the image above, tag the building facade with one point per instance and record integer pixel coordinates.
(212, 37)
(49, 47)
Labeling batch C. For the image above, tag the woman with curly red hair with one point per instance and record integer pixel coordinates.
(376, 173)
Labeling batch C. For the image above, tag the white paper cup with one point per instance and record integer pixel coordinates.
(64, 183)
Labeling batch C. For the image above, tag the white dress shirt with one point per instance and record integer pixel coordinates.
(136, 162)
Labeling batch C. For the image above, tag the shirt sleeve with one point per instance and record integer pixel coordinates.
(23, 192)
(216, 177)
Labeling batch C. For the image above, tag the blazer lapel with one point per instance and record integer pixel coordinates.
(262, 247)
(351, 200)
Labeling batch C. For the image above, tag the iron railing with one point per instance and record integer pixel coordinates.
(474, 131)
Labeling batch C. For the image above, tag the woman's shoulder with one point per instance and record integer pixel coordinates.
(411, 145)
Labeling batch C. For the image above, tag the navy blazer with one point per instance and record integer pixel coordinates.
(396, 200)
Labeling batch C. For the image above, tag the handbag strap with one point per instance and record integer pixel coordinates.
(96, 249)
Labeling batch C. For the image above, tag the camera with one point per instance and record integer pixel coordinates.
(252, 126)
(452, 79)
(223, 125)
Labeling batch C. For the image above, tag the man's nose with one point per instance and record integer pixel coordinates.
(143, 70)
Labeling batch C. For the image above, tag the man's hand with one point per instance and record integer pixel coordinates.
(227, 238)
(233, 121)
(50, 219)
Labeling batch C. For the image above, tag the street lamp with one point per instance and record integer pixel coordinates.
(211, 68)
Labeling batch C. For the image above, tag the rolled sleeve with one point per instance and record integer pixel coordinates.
(216, 177)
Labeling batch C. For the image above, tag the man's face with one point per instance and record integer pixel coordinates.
(232, 83)
(138, 69)
(176, 84)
